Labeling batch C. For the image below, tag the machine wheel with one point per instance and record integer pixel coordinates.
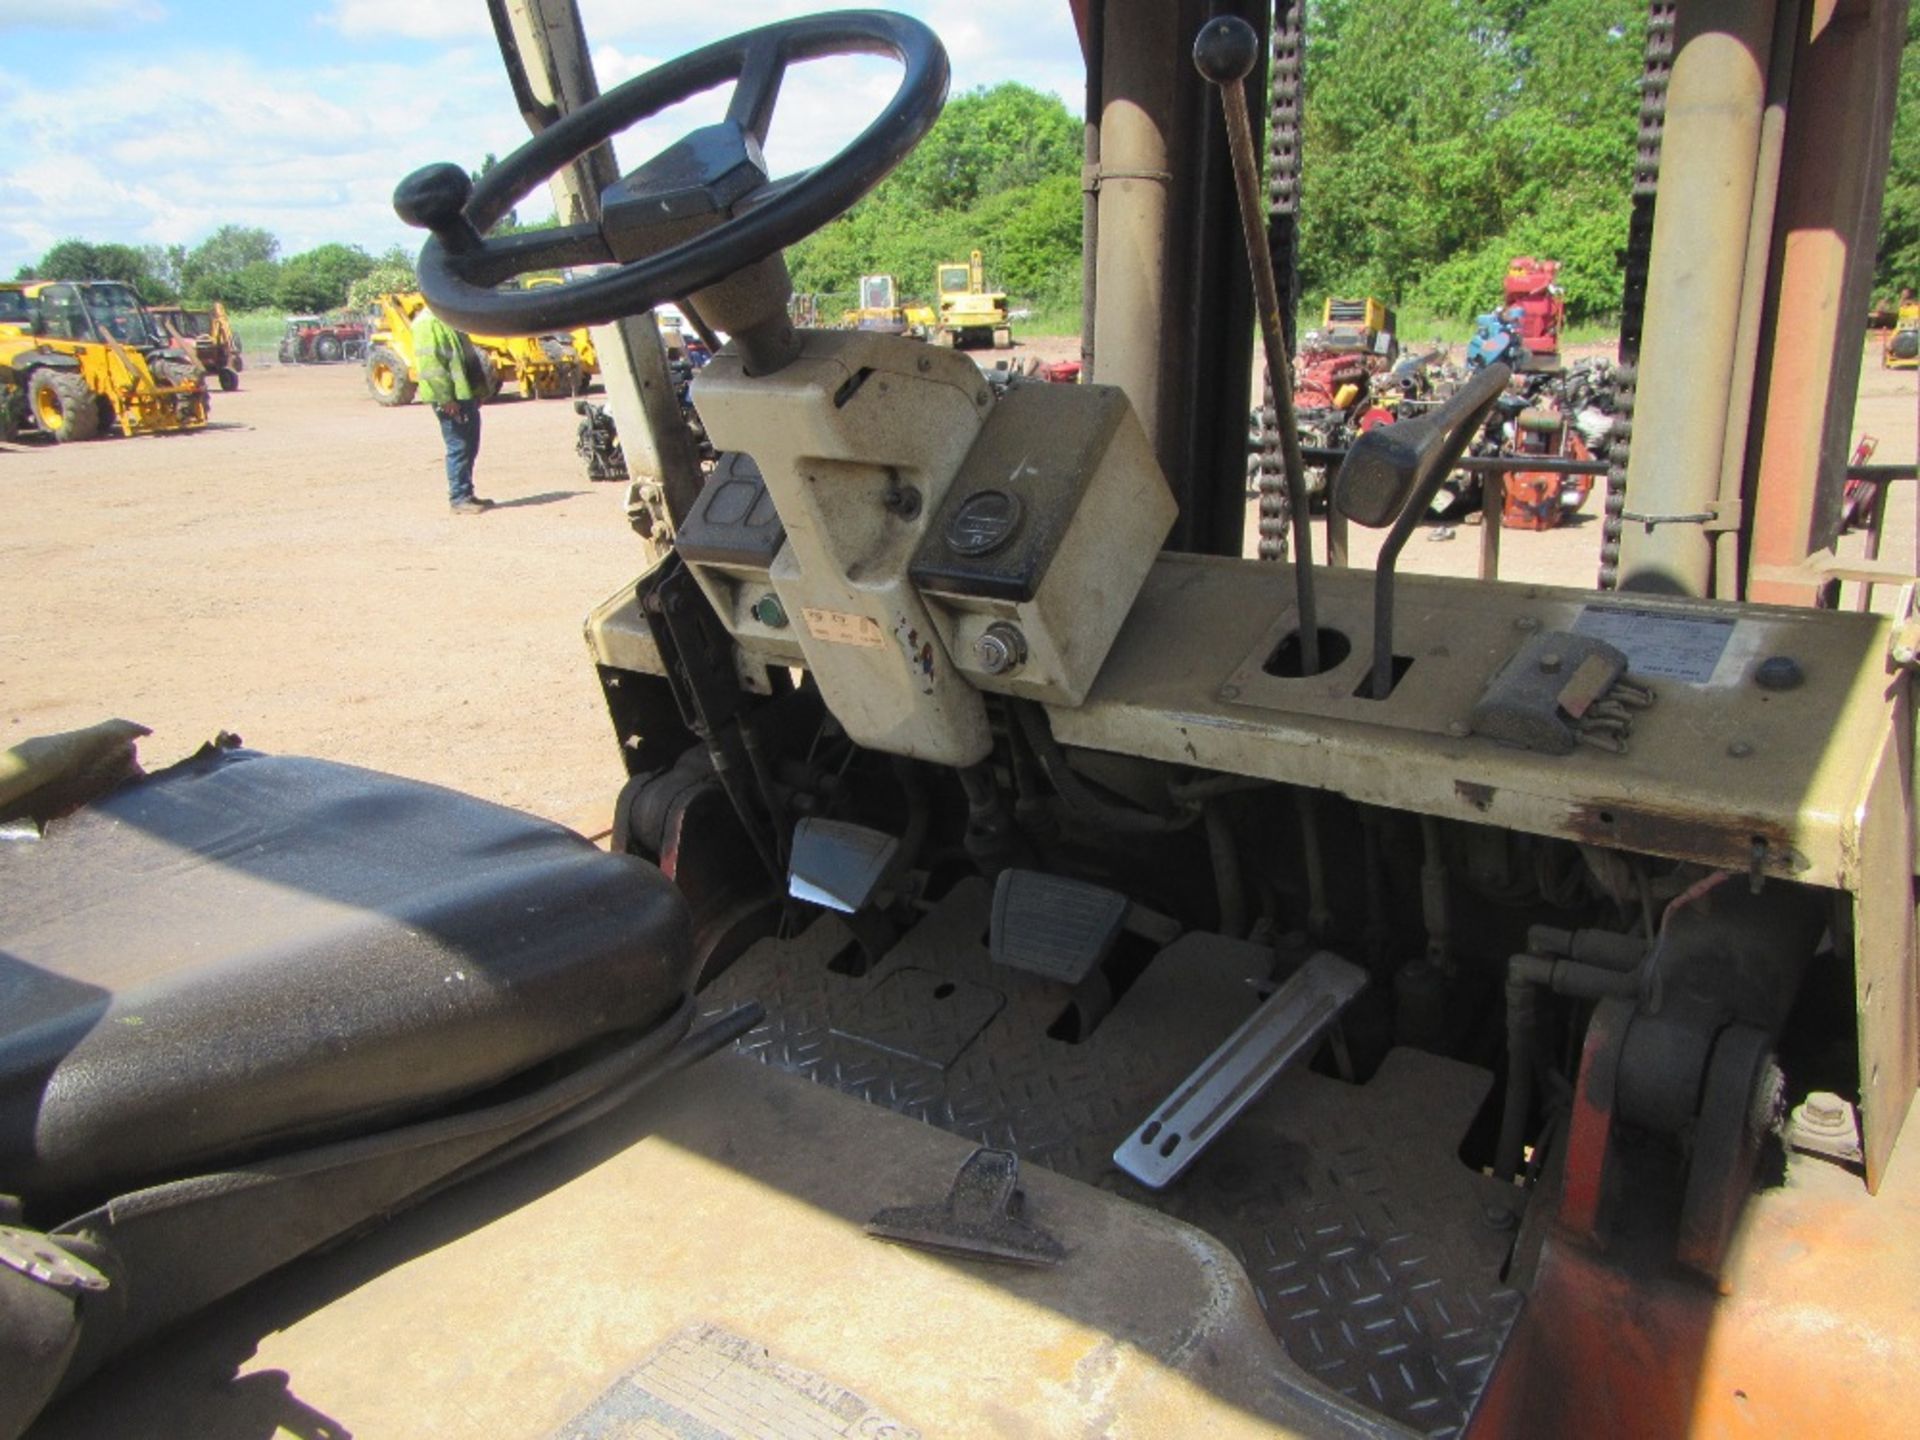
(229, 378)
(387, 377)
(62, 405)
(490, 388)
(286, 353)
(326, 348)
(558, 383)
(196, 406)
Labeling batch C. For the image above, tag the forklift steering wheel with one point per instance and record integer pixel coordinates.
(709, 173)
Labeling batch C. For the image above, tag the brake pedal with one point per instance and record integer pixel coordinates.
(1285, 1027)
(1057, 929)
(837, 864)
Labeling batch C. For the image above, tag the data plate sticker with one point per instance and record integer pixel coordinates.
(839, 627)
(1660, 646)
(709, 1384)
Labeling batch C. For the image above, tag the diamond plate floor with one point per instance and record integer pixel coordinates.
(1364, 1236)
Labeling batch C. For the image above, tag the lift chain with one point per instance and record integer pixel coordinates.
(1634, 262)
(1283, 243)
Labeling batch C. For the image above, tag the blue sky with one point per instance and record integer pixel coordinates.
(156, 121)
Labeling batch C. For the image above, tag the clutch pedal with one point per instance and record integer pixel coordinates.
(1286, 1026)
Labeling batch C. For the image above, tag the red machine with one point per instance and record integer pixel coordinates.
(1541, 500)
(1530, 290)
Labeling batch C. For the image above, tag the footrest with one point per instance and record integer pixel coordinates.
(1285, 1026)
(1055, 928)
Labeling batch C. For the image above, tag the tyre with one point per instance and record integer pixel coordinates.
(387, 377)
(557, 383)
(491, 386)
(192, 408)
(326, 348)
(229, 379)
(286, 352)
(62, 406)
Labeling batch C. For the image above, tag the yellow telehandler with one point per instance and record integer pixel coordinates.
(546, 367)
(88, 357)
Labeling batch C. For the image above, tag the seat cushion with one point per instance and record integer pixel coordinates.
(246, 951)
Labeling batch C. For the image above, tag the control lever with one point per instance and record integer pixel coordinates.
(1224, 52)
(1391, 474)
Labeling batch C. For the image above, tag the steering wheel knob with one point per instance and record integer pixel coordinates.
(435, 198)
(1225, 50)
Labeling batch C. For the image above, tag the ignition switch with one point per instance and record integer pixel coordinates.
(1000, 649)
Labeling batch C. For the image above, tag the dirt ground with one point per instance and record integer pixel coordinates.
(292, 574)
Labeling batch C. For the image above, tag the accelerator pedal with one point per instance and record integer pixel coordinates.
(1055, 928)
(1287, 1025)
(837, 864)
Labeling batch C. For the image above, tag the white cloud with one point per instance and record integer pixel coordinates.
(412, 19)
(78, 14)
(313, 154)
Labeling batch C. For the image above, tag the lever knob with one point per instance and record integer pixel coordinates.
(435, 198)
(1226, 50)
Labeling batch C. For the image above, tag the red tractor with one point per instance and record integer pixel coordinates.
(321, 340)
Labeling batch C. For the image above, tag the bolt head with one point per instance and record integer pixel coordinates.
(1550, 663)
(1459, 729)
(1739, 749)
(1526, 623)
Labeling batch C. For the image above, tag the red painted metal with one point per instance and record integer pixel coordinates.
(1590, 1130)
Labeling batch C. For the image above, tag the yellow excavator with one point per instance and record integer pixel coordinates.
(970, 314)
(87, 356)
(546, 367)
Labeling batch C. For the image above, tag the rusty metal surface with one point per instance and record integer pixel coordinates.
(1842, 103)
(1814, 1335)
(1363, 1234)
(1802, 754)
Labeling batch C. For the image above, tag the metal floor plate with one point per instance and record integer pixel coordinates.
(1365, 1237)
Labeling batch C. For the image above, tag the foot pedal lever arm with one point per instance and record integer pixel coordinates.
(1287, 1025)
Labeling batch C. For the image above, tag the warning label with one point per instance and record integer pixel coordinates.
(839, 627)
(1660, 646)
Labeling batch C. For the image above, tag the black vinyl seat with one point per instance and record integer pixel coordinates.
(244, 953)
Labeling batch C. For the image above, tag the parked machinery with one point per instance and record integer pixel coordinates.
(208, 336)
(322, 339)
(1901, 349)
(1362, 325)
(970, 314)
(545, 367)
(87, 357)
(1533, 300)
(882, 311)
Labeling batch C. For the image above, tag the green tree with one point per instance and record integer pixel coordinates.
(392, 274)
(1444, 137)
(318, 279)
(1897, 259)
(999, 172)
(236, 264)
(82, 260)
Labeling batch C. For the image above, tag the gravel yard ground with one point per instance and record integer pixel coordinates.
(292, 574)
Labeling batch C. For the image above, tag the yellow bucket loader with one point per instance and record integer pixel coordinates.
(87, 357)
(546, 367)
(970, 314)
